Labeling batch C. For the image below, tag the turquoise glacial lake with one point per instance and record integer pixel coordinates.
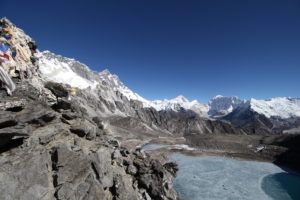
(215, 178)
(220, 178)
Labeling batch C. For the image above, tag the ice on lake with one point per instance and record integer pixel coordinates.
(150, 147)
(215, 178)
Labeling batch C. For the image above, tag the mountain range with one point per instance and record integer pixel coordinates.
(279, 114)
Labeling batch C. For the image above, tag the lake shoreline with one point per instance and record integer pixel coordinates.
(246, 153)
(264, 174)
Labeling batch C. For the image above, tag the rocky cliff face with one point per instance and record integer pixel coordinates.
(50, 149)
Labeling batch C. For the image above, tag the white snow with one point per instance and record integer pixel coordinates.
(277, 107)
(259, 149)
(57, 68)
(182, 146)
(54, 70)
(218, 96)
(117, 85)
(220, 105)
(178, 103)
(151, 147)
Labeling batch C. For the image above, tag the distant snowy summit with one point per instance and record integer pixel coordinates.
(281, 106)
(220, 105)
(69, 71)
(179, 103)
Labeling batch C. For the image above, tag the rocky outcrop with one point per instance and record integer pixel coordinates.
(291, 156)
(59, 152)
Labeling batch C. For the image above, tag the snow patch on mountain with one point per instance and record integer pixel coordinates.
(179, 102)
(277, 107)
(69, 71)
(114, 81)
(220, 105)
(54, 69)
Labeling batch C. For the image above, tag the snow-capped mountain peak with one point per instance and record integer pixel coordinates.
(217, 96)
(179, 103)
(221, 105)
(117, 85)
(180, 99)
(69, 71)
(282, 107)
(58, 69)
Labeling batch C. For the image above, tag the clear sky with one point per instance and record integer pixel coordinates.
(163, 48)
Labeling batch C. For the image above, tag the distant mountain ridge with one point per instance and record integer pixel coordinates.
(66, 70)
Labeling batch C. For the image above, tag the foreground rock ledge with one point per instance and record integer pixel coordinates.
(45, 154)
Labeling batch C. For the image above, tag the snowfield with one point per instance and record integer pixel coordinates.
(60, 72)
(281, 107)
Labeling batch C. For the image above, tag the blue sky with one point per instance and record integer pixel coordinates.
(164, 48)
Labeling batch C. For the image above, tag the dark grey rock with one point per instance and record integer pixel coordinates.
(7, 120)
(114, 143)
(62, 104)
(47, 134)
(57, 89)
(35, 114)
(69, 115)
(84, 128)
(19, 130)
(172, 168)
(102, 166)
(123, 189)
(25, 176)
(98, 121)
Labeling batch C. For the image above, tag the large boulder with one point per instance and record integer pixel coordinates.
(57, 89)
(84, 128)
